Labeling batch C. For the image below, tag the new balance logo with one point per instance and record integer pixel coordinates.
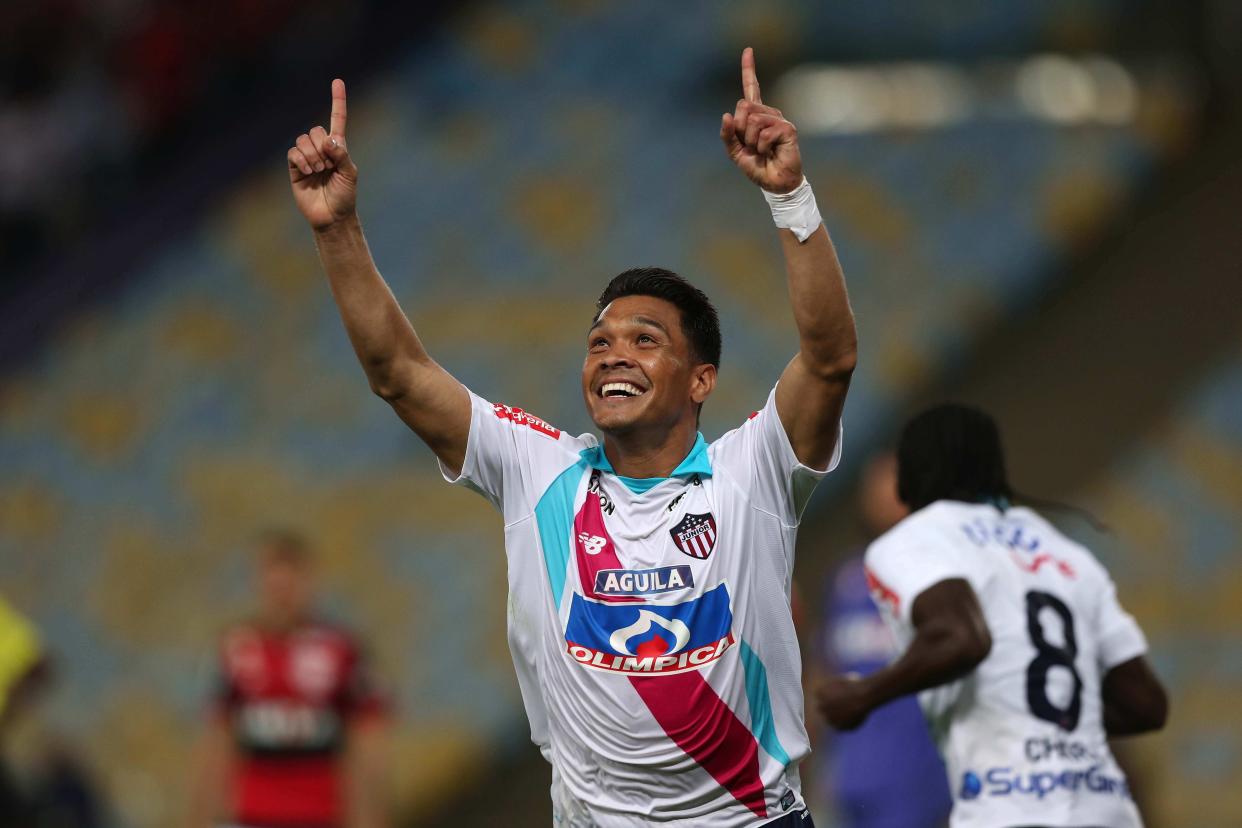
(593, 544)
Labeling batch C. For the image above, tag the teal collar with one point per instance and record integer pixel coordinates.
(696, 462)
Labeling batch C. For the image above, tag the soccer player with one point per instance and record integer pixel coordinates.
(297, 733)
(1012, 634)
(25, 672)
(649, 574)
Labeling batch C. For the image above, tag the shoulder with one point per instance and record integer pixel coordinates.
(241, 650)
(724, 441)
(525, 424)
(1082, 558)
(240, 633)
(329, 630)
(917, 527)
(332, 635)
(894, 546)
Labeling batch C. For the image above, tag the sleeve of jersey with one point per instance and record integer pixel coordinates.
(760, 456)
(1120, 637)
(507, 449)
(902, 565)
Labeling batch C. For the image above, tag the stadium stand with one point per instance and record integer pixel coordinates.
(508, 168)
(1175, 507)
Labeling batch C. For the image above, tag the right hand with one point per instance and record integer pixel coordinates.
(758, 139)
(321, 173)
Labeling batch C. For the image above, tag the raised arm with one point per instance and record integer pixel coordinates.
(811, 393)
(430, 401)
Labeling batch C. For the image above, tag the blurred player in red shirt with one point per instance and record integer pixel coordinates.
(297, 731)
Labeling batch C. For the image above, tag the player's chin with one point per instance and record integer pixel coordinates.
(613, 422)
(614, 417)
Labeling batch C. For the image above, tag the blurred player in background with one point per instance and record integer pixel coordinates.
(1012, 634)
(24, 670)
(649, 575)
(297, 731)
(887, 773)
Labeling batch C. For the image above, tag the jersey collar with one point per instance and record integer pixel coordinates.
(696, 462)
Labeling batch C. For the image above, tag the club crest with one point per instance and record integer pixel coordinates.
(695, 535)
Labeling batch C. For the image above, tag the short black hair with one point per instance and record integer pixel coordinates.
(699, 320)
(951, 452)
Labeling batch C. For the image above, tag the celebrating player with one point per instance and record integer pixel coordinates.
(1025, 661)
(649, 575)
(296, 735)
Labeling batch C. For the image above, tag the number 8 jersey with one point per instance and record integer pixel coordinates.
(1023, 735)
(649, 620)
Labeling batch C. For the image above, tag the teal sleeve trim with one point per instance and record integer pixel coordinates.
(761, 722)
(554, 517)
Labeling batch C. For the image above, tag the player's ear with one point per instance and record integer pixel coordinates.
(702, 382)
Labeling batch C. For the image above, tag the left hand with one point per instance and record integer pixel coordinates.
(842, 701)
(759, 139)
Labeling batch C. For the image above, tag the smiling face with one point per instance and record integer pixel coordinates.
(640, 371)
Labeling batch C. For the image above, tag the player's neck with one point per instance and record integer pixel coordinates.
(281, 622)
(641, 455)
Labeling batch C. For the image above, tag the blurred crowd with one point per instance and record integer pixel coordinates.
(95, 96)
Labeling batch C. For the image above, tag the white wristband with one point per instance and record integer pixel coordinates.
(795, 210)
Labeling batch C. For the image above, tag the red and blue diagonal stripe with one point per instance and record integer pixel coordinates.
(702, 725)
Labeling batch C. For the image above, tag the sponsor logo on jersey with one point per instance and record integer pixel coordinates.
(1008, 782)
(313, 668)
(695, 535)
(650, 639)
(643, 581)
(605, 502)
(1042, 748)
(592, 544)
(524, 418)
(972, 786)
(281, 724)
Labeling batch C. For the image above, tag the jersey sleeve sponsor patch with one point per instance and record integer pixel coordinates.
(524, 418)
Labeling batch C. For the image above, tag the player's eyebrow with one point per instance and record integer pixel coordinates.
(655, 323)
(642, 320)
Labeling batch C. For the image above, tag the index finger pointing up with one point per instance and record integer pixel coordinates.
(750, 81)
(337, 121)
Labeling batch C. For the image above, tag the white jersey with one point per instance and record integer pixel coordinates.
(649, 622)
(1022, 736)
